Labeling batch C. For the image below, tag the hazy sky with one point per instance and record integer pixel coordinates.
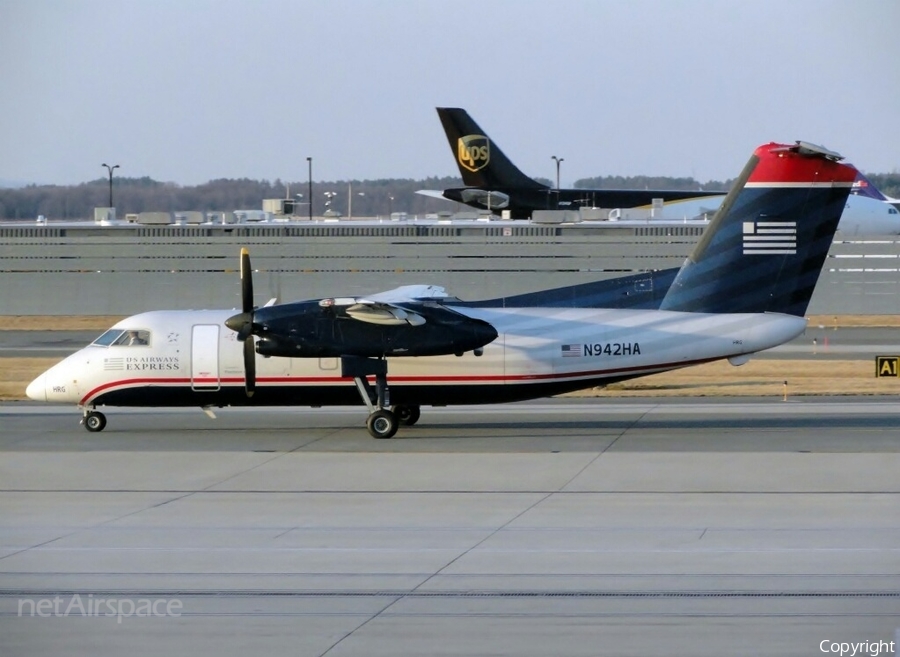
(192, 90)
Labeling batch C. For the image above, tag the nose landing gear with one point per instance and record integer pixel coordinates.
(382, 422)
(408, 414)
(94, 421)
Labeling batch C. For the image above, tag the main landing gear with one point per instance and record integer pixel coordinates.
(382, 421)
(93, 420)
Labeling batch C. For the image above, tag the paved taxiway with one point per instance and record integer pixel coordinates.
(568, 527)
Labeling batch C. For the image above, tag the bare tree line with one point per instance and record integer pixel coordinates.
(368, 197)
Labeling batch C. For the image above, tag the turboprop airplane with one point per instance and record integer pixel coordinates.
(745, 288)
(494, 183)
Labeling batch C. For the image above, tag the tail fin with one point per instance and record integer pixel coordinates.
(481, 162)
(765, 247)
(862, 186)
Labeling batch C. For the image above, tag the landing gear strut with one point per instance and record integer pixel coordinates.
(93, 421)
(382, 422)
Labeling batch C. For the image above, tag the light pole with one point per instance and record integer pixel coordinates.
(329, 196)
(110, 169)
(391, 207)
(309, 161)
(558, 161)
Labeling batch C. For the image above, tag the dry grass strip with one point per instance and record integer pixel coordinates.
(58, 322)
(17, 373)
(761, 377)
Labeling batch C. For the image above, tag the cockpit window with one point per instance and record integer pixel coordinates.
(132, 338)
(123, 338)
(108, 338)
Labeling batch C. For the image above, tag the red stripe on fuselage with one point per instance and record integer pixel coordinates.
(319, 380)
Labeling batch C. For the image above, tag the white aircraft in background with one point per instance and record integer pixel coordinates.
(864, 212)
(745, 288)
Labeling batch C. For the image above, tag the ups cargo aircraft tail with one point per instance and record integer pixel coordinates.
(493, 182)
(745, 288)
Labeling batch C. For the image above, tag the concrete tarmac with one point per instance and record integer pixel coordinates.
(560, 527)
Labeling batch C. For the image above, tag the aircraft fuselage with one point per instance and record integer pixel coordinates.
(192, 359)
(522, 201)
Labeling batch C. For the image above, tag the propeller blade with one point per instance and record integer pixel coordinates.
(249, 367)
(243, 325)
(246, 282)
(246, 330)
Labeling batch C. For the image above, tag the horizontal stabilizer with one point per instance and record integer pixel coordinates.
(808, 148)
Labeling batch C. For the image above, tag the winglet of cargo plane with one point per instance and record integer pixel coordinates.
(764, 249)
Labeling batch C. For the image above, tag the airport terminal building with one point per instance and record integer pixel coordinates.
(94, 269)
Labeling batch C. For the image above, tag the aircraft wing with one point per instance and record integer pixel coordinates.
(470, 195)
(410, 293)
(410, 320)
(433, 193)
(386, 308)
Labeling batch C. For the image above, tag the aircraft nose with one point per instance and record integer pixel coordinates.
(37, 389)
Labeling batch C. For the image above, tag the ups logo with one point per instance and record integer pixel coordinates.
(473, 152)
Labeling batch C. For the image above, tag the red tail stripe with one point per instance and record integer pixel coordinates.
(777, 164)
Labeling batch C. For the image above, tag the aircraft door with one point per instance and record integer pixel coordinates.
(205, 357)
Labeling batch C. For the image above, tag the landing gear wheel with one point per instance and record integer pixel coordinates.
(407, 415)
(94, 421)
(382, 424)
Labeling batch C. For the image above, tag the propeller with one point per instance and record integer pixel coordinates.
(242, 323)
(249, 367)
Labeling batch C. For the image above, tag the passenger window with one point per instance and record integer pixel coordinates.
(133, 338)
